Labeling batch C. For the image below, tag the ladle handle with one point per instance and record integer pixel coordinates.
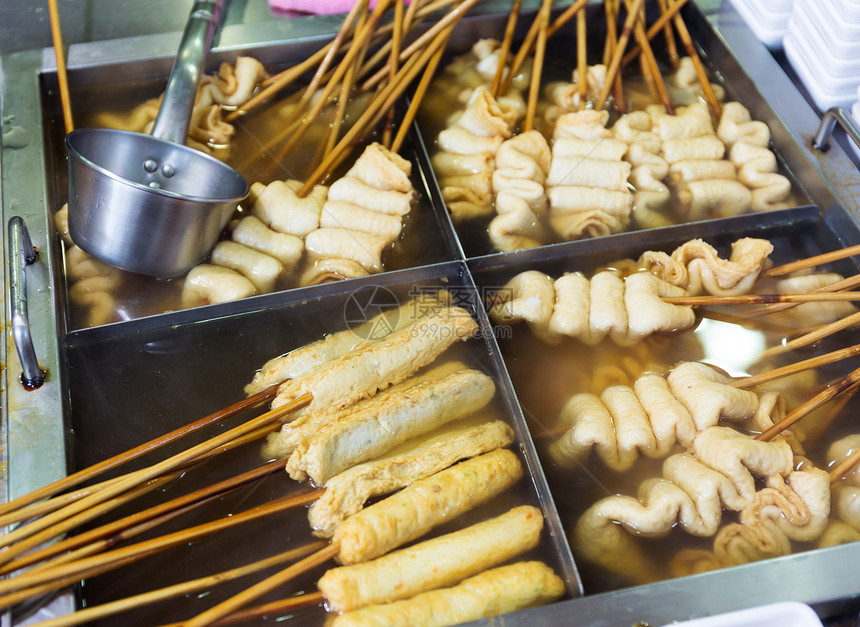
(22, 254)
(174, 115)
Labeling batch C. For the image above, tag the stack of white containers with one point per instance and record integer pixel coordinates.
(823, 46)
(768, 19)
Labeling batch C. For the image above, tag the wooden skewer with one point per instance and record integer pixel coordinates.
(800, 366)
(832, 413)
(669, 34)
(523, 52)
(540, 52)
(757, 299)
(615, 65)
(266, 585)
(113, 533)
(118, 460)
(812, 337)
(442, 26)
(834, 389)
(844, 466)
(582, 57)
(181, 589)
(393, 62)
(612, 42)
(661, 22)
(650, 59)
(141, 476)
(701, 73)
(275, 607)
(811, 262)
(505, 50)
(62, 78)
(149, 547)
(845, 284)
(386, 98)
(417, 97)
(565, 17)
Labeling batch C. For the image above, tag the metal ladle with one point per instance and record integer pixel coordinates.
(148, 203)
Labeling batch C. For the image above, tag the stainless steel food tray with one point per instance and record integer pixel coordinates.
(83, 369)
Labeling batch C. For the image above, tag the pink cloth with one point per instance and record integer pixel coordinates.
(319, 7)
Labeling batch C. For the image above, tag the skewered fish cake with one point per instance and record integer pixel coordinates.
(362, 215)
(279, 207)
(346, 493)
(846, 492)
(261, 269)
(93, 283)
(252, 232)
(479, 130)
(497, 591)
(748, 142)
(380, 364)
(691, 494)
(434, 563)
(208, 284)
(655, 413)
(626, 310)
(588, 195)
(345, 441)
(697, 267)
(522, 164)
(414, 510)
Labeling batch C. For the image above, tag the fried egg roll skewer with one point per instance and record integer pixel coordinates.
(497, 591)
(435, 563)
(364, 372)
(433, 501)
(345, 494)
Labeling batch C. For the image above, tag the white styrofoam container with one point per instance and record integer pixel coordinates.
(825, 93)
(842, 37)
(769, 28)
(786, 614)
(847, 10)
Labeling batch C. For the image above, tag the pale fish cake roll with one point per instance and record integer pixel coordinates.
(529, 296)
(607, 315)
(458, 140)
(584, 224)
(632, 427)
(286, 248)
(346, 215)
(670, 420)
(320, 270)
(683, 148)
(497, 591)
(385, 362)
(283, 442)
(452, 164)
(516, 226)
(742, 458)
(383, 169)
(261, 269)
(346, 493)
(363, 248)
(375, 430)
(736, 124)
(713, 198)
(572, 305)
(591, 427)
(588, 172)
(694, 120)
(427, 503)
(647, 312)
(708, 273)
(701, 169)
(708, 396)
(305, 358)
(434, 563)
(353, 190)
(607, 149)
(207, 284)
(280, 208)
(578, 198)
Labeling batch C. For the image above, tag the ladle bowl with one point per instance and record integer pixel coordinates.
(148, 203)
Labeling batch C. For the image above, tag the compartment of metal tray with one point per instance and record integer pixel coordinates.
(546, 375)
(189, 369)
